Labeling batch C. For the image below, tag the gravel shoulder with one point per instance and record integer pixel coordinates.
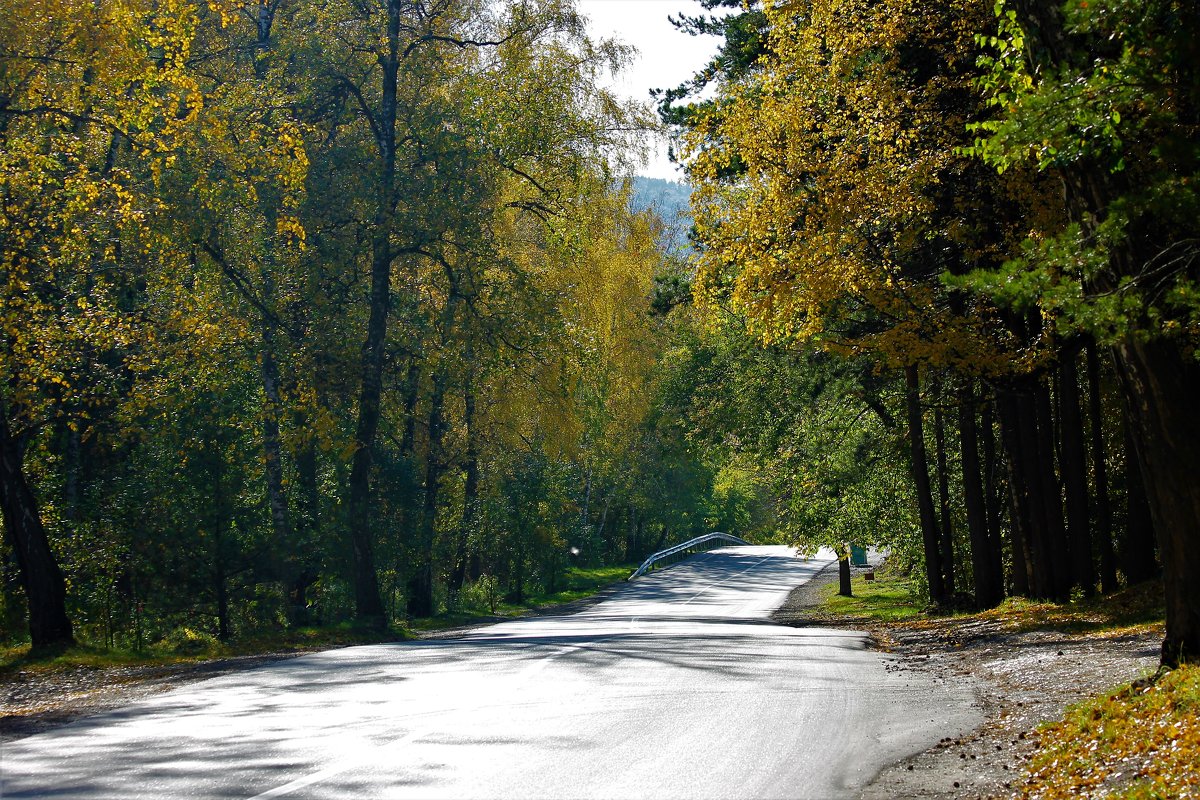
(1023, 679)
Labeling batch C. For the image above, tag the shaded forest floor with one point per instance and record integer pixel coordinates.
(1029, 662)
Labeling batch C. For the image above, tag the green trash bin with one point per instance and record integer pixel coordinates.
(858, 556)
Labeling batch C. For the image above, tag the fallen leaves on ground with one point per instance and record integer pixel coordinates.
(1142, 741)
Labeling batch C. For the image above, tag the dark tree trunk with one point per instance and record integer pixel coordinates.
(946, 542)
(273, 444)
(991, 493)
(45, 588)
(1162, 385)
(1060, 564)
(303, 571)
(72, 462)
(420, 585)
(844, 586)
(1104, 528)
(412, 393)
(1020, 501)
(1033, 452)
(1074, 471)
(920, 471)
(1138, 544)
(368, 603)
(221, 589)
(220, 521)
(631, 543)
(470, 491)
(989, 590)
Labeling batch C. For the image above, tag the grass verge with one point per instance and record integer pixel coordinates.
(892, 599)
(577, 584)
(19, 658)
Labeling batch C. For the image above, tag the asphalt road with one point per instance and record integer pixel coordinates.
(676, 687)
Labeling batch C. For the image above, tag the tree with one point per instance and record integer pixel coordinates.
(1104, 97)
(80, 86)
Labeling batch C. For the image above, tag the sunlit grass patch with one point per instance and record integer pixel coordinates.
(181, 648)
(888, 598)
(19, 658)
(1133, 610)
(576, 584)
(1138, 742)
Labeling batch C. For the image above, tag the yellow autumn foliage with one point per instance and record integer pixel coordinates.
(820, 183)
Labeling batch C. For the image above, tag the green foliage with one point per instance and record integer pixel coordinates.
(483, 593)
(1114, 100)
(183, 312)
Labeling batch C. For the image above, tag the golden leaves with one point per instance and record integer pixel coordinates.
(838, 148)
(1141, 741)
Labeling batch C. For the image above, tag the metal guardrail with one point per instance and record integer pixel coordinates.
(685, 549)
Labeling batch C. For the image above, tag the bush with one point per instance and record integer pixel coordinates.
(483, 593)
(188, 642)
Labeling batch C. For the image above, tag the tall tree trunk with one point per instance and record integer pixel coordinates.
(1074, 471)
(920, 472)
(988, 588)
(412, 394)
(1020, 493)
(272, 443)
(470, 489)
(368, 603)
(1138, 544)
(946, 542)
(220, 520)
(1104, 528)
(845, 588)
(1059, 553)
(45, 588)
(631, 544)
(304, 571)
(1162, 385)
(1033, 453)
(72, 463)
(991, 492)
(420, 586)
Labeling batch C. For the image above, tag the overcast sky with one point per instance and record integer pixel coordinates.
(665, 58)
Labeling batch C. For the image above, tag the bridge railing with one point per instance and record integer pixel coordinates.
(680, 551)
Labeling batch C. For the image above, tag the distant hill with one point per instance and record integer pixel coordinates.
(670, 200)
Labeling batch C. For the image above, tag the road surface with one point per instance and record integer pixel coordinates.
(677, 686)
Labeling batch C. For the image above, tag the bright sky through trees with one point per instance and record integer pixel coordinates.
(666, 57)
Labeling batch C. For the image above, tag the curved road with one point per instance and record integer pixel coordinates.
(677, 686)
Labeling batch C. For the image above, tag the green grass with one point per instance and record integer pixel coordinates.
(19, 658)
(577, 584)
(888, 598)
(892, 599)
